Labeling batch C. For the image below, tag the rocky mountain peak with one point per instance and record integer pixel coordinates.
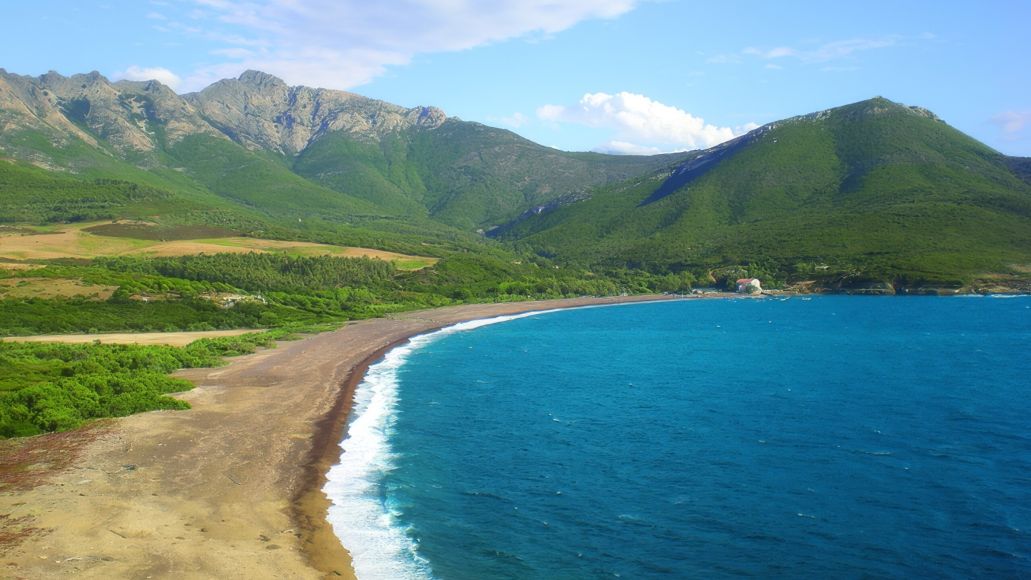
(260, 111)
(260, 80)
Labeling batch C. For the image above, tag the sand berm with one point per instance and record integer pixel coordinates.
(228, 489)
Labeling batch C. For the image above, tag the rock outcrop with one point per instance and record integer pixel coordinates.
(260, 111)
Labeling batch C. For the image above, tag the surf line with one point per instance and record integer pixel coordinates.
(370, 530)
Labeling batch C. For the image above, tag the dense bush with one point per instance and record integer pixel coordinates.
(53, 387)
(264, 272)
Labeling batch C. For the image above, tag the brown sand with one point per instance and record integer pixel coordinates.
(169, 338)
(231, 488)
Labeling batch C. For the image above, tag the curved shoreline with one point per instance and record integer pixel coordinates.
(232, 487)
(311, 506)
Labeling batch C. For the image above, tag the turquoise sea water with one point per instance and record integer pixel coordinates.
(825, 437)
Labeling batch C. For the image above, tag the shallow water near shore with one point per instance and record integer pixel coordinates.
(832, 436)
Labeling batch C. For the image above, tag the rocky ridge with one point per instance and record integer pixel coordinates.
(256, 110)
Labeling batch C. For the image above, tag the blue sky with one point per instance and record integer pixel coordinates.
(613, 75)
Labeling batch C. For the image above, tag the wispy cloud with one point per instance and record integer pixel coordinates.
(140, 73)
(625, 148)
(817, 53)
(346, 43)
(778, 52)
(640, 124)
(515, 120)
(1012, 123)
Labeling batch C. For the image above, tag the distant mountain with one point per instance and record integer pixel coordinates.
(293, 151)
(866, 193)
(874, 193)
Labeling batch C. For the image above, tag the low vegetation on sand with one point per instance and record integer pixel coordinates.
(53, 387)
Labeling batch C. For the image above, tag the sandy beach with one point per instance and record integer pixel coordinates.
(230, 488)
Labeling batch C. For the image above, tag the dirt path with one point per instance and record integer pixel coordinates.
(228, 489)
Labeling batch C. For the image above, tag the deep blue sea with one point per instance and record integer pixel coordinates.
(825, 437)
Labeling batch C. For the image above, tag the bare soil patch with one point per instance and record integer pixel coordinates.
(20, 266)
(168, 338)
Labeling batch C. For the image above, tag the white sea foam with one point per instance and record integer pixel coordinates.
(367, 527)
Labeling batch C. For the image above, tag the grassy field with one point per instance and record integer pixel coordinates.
(83, 241)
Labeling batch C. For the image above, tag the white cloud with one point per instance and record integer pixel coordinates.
(640, 123)
(1012, 123)
(346, 43)
(139, 73)
(742, 129)
(551, 112)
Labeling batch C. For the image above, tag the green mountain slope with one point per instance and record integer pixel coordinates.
(460, 173)
(873, 191)
(294, 152)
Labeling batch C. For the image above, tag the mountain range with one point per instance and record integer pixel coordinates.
(872, 193)
(258, 143)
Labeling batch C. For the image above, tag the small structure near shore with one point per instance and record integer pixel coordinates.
(749, 286)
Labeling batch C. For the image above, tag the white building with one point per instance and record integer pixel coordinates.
(749, 286)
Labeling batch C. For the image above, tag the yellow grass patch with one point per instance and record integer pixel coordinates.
(19, 266)
(74, 242)
(169, 338)
(53, 288)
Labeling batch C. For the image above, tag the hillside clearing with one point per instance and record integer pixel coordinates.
(53, 288)
(76, 242)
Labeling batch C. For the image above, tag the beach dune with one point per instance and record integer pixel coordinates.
(230, 488)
